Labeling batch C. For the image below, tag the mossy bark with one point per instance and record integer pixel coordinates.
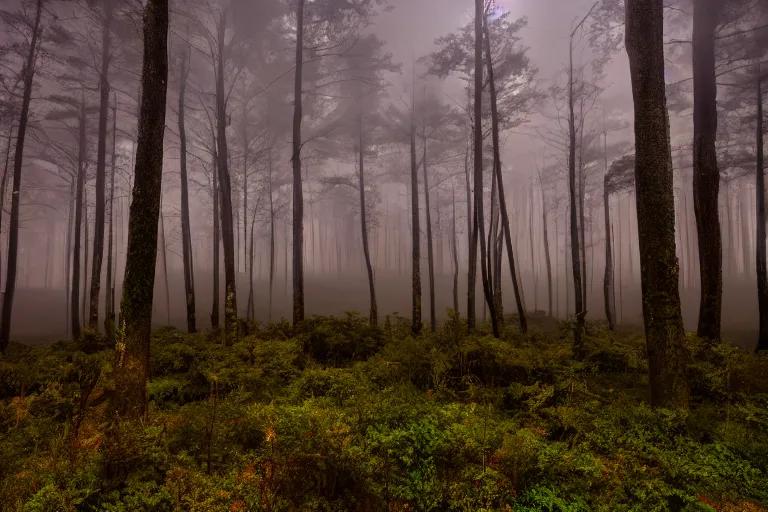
(706, 175)
(132, 348)
(664, 332)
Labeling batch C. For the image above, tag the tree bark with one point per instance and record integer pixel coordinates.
(186, 232)
(664, 331)
(547, 257)
(101, 170)
(430, 248)
(13, 232)
(81, 164)
(578, 330)
(216, 241)
(298, 196)
(415, 233)
(760, 251)
(109, 306)
(608, 277)
(472, 249)
(164, 256)
(227, 228)
(132, 349)
(706, 176)
(271, 238)
(500, 183)
(479, 224)
(455, 251)
(374, 315)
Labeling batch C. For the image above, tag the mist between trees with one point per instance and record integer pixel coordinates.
(343, 173)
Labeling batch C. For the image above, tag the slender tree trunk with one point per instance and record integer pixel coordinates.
(3, 188)
(68, 255)
(231, 333)
(164, 256)
(216, 243)
(746, 245)
(430, 248)
(374, 315)
(760, 251)
(84, 301)
(78, 222)
(479, 227)
(706, 175)
(547, 257)
(245, 183)
(13, 232)
(578, 331)
(655, 206)
(251, 299)
(132, 350)
(298, 197)
(109, 306)
(472, 255)
(186, 231)
(455, 252)
(271, 238)
(415, 233)
(608, 278)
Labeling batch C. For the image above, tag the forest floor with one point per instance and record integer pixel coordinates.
(335, 415)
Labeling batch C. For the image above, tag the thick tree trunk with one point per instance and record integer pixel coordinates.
(415, 234)
(430, 248)
(101, 170)
(216, 243)
(706, 175)
(760, 251)
(109, 306)
(132, 350)
(374, 315)
(298, 196)
(231, 333)
(13, 232)
(664, 331)
(78, 222)
(186, 232)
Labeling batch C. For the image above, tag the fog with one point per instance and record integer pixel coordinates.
(370, 78)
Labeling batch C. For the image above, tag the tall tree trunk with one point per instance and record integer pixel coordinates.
(706, 175)
(227, 229)
(298, 196)
(245, 183)
(430, 248)
(271, 238)
(78, 222)
(479, 225)
(499, 177)
(760, 251)
(471, 302)
(251, 299)
(415, 233)
(3, 188)
(101, 169)
(109, 306)
(578, 331)
(455, 251)
(132, 350)
(216, 244)
(84, 301)
(186, 231)
(13, 232)
(608, 277)
(68, 256)
(664, 331)
(374, 315)
(164, 255)
(746, 245)
(547, 257)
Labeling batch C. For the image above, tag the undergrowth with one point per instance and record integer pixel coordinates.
(335, 415)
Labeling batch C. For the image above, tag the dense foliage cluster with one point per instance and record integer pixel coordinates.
(334, 414)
